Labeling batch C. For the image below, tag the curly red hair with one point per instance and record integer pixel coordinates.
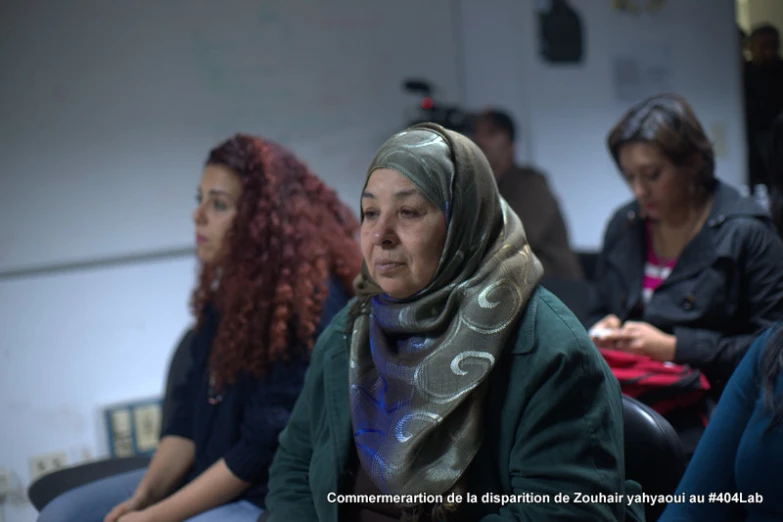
(290, 233)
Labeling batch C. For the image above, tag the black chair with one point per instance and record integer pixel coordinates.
(654, 455)
(588, 261)
(52, 485)
(574, 293)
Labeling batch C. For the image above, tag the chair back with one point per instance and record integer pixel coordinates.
(654, 455)
(588, 261)
(574, 293)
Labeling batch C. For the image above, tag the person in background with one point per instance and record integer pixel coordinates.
(690, 272)
(453, 371)
(763, 86)
(743, 44)
(741, 452)
(278, 255)
(775, 170)
(527, 192)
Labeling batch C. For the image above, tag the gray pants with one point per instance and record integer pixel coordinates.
(92, 502)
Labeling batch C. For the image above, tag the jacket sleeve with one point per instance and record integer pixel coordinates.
(290, 497)
(761, 266)
(711, 469)
(569, 439)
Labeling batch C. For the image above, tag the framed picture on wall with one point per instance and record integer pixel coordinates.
(560, 32)
(133, 428)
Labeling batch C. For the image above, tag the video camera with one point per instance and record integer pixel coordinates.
(449, 116)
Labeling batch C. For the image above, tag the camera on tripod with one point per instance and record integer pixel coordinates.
(451, 117)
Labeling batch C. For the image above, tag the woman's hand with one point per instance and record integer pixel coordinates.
(138, 516)
(602, 333)
(133, 504)
(645, 339)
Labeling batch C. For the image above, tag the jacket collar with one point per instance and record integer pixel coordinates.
(627, 253)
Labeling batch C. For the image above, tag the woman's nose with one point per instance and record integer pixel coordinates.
(383, 232)
(639, 190)
(198, 215)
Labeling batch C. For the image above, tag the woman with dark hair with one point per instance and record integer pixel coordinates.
(690, 271)
(741, 452)
(278, 254)
(454, 387)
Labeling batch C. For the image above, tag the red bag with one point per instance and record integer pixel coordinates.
(665, 387)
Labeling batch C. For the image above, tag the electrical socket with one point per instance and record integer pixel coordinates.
(6, 482)
(41, 465)
(720, 140)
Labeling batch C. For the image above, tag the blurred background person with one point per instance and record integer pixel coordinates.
(527, 192)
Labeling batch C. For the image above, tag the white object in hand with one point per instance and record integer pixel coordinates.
(600, 333)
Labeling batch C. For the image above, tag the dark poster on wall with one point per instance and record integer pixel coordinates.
(560, 32)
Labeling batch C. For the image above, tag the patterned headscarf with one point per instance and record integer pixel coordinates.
(419, 366)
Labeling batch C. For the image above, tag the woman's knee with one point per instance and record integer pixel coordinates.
(93, 501)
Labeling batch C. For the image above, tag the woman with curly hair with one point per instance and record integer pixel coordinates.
(278, 254)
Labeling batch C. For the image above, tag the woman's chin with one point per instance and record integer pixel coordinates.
(205, 256)
(397, 290)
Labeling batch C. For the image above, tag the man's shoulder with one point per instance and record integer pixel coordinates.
(532, 179)
(530, 172)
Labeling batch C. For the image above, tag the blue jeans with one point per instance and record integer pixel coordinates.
(92, 502)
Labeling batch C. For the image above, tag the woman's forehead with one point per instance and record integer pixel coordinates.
(390, 183)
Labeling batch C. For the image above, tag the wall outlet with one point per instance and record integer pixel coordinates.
(6, 482)
(41, 465)
(720, 140)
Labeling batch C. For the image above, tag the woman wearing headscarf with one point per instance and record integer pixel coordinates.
(453, 387)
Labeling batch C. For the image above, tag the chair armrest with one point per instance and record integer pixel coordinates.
(54, 484)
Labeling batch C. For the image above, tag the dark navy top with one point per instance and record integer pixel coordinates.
(243, 426)
(737, 454)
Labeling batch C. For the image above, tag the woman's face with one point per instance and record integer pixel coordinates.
(402, 234)
(217, 197)
(660, 187)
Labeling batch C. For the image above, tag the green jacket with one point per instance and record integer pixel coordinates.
(553, 425)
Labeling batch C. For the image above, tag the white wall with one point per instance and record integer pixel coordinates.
(128, 99)
(565, 112)
(754, 12)
(72, 343)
